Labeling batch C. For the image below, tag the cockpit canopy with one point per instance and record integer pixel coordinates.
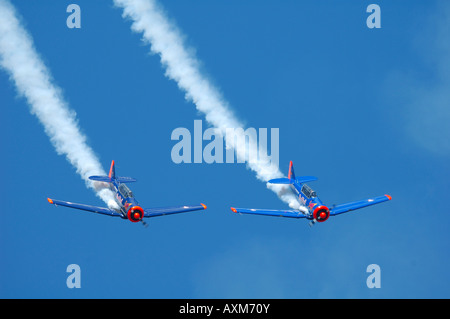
(308, 192)
(125, 191)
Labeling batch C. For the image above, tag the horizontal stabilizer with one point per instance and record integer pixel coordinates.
(124, 179)
(306, 179)
(282, 181)
(301, 179)
(107, 179)
(100, 179)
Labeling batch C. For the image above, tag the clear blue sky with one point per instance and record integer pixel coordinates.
(363, 109)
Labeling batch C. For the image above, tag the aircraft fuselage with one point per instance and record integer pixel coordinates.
(129, 206)
(307, 197)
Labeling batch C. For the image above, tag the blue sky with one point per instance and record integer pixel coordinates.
(363, 109)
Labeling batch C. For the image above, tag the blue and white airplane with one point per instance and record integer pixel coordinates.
(129, 207)
(315, 210)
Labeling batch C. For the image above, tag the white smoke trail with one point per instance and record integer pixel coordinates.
(183, 67)
(32, 79)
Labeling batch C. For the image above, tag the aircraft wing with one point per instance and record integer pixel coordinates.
(269, 212)
(161, 211)
(344, 208)
(89, 208)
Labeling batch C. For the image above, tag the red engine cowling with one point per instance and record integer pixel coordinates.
(321, 213)
(135, 214)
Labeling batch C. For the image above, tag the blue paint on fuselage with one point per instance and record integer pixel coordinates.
(124, 201)
(309, 202)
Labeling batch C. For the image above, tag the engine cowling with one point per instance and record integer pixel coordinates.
(135, 214)
(321, 214)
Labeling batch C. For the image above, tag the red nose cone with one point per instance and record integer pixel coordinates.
(323, 215)
(137, 216)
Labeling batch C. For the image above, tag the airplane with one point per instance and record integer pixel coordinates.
(129, 207)
(315, 210)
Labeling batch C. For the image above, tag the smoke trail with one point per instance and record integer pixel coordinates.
(183, 67)
(32, 79)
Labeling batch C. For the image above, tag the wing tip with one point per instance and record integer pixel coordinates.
(204, 206)
(233, 210)
(388, 196)
(50, 200)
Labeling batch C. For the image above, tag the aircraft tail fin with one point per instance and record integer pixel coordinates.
(112, 176)
(112, 171)
(291, 174)
(289, 180)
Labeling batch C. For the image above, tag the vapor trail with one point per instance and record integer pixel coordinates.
(182, 66)
(32, 79)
